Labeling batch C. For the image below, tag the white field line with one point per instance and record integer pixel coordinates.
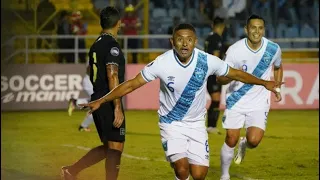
(123, 154)
(148, 159)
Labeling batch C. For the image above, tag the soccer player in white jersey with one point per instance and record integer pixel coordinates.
(248, 105)
(183, 72)
(88, 88)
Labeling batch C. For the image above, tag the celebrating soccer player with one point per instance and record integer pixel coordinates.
(248, 105)
(183, 72)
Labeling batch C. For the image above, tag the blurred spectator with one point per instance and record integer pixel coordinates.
(261, 7)
(315, 12)
(219, 10)
(195, 4)
(176, 21)
(131, 25)
(159, 3)
(42, 17)
(64, 28)
(80, 29)
(287, 11)
(234, 6)
(176, 4)
(206, 8)
(305, 10)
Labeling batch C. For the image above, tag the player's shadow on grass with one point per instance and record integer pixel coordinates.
(141, 134)
(11, 174)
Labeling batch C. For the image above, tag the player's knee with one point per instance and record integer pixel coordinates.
(182, 172)
(116, 145)
(198, 175)
(253, 142)
(231, 141)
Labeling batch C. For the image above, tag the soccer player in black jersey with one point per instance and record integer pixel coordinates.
(107, 65)
(214, 46)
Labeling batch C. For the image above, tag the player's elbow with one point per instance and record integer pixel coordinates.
(223, 80)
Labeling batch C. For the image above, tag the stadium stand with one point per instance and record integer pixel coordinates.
(307, 32)
(160, 19)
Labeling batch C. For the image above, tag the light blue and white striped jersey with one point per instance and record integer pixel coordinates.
(247, 97)
(183, 86)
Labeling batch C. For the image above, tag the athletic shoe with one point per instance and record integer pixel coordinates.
(213, 130)
(241, 151)
(71, 106)
(66, 175)
(86, 129)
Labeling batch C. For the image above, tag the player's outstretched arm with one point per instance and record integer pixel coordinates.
(250, 79)
(223, 80)
(124, 88)
(121, 90)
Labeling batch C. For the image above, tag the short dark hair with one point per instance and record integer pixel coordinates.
(184, 26)
(254, 16)
(217, 21)
(109, 16)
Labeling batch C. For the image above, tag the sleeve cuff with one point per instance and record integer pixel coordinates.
(144, 76)
(112, 63)
(227, 71)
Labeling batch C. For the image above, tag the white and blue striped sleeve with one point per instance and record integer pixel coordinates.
(217, 66)
(277, 61)
(221, 68)
(151, 71)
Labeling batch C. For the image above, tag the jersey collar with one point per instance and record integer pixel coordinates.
(178, 61)
(109, 34)
(252, 49)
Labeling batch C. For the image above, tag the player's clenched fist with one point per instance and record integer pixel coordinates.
(93, 105)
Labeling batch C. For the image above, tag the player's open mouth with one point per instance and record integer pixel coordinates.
(184, 51)
(256, 36)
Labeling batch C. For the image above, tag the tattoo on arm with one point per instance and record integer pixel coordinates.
(113, 79)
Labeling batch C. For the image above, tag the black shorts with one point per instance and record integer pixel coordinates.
(212, 85)
(103, 119)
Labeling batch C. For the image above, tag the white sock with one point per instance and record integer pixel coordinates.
(87, 121)
(179, 179)
(226, 156)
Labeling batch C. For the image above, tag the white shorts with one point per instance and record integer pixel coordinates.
(185, 142)
(236, 120)
(87, 85)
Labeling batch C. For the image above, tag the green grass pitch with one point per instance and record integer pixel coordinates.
(34, 145)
